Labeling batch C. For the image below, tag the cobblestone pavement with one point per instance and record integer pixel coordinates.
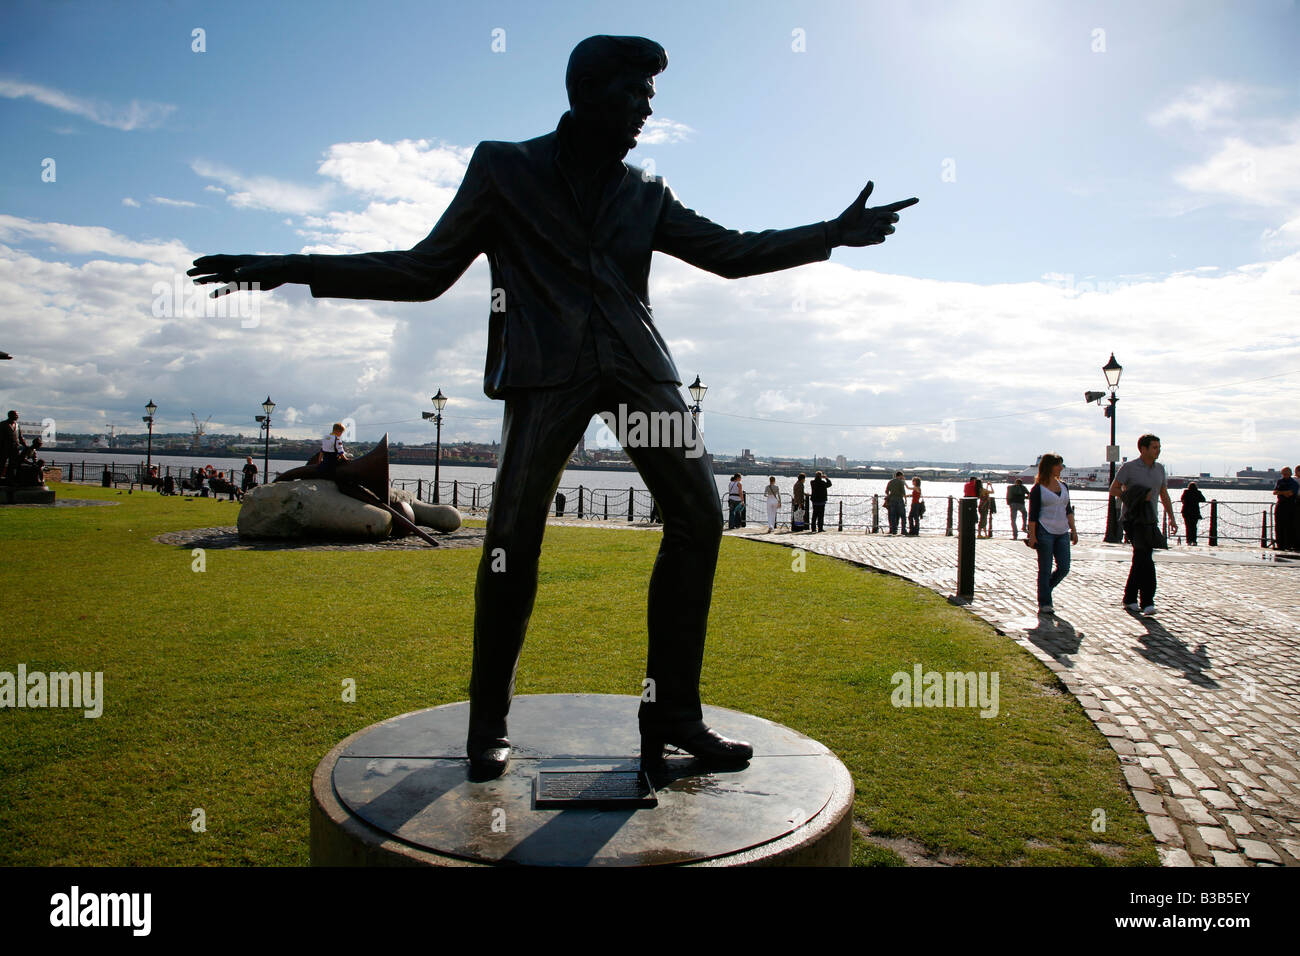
(1201, 701)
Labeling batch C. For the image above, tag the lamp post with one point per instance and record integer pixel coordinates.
(439, 401)
(148, 418)
(1112, 370)
(268, 406)
(697, 390)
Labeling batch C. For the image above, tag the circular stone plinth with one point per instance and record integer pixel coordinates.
(398, 793)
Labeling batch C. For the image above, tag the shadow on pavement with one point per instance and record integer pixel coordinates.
(1057, 637)
(1161, 647)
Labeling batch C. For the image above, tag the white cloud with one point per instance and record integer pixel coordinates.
(181, 203)
(1285, 236)
(128, 201)
(89, 240)
(1205, 106)
(1247, 158)
(415, 171)
(661, 130)
(264, 192)
(410, 183)
(138, 114)
(1264, 174)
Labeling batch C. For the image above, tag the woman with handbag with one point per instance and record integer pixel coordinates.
(799, 505)
(735, 502)
(1051, 528)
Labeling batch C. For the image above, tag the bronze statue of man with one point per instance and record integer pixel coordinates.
(568, 229)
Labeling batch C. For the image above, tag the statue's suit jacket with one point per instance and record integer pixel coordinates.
(551, 269)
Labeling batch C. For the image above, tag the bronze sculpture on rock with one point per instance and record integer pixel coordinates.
(568, 229)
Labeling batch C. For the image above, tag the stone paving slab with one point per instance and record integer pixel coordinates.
(1201, 701)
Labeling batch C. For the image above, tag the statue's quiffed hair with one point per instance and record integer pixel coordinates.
(604, 57)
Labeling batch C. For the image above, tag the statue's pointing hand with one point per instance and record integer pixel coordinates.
(255, 272)
(860, 225)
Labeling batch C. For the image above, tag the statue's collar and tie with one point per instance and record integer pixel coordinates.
(591, 167)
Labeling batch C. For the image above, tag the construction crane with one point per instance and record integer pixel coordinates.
(200, 428)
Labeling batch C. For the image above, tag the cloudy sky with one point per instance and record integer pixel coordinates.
(1093, 178)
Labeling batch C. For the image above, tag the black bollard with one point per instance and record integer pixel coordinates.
(966, 521)
(1214, 522)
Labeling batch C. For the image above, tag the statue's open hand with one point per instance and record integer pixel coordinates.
(267, 272)
(863, 226)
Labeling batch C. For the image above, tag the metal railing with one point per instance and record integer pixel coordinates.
(1236, 521)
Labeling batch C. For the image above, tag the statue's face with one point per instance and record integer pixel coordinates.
(621, 108)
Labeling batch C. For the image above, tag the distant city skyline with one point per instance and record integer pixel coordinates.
(1093, 179)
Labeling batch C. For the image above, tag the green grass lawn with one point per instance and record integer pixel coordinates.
(223, 688)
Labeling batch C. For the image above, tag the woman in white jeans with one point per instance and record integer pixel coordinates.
(773, 503)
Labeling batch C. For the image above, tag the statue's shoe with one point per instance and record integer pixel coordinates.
(488, 758)
(707, 746)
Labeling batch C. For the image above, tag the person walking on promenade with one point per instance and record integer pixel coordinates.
(1145, 473)
(1191, 500)
(799, 505)
(1051, 528)
(1016, 496)
(250, 474)
(1287, 492)
(819, 485)
(735, 502)
(895, 496)
(918, 509)
(773, 495)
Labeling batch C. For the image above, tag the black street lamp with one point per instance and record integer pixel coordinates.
(697, 390)
(148, 456)
(439, 401)
(1112, 370)
(268, 406)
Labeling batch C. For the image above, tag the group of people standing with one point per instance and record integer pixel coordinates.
(896, 493)
(987, 505)
(803, 499)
